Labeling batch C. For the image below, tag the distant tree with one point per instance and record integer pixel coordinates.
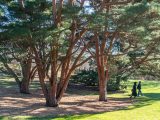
(15, 51)
(24, 75)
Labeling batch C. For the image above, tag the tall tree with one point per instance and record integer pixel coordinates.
(13, 50)
(53, 32)
(65, 53)
(122, 35)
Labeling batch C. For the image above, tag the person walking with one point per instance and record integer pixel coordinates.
(139, 89)
(134, 90)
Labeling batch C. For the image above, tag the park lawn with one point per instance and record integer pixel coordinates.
(143, 108)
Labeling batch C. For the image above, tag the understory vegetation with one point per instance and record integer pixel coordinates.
(90, 78)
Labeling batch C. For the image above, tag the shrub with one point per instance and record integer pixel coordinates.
(90, 78)
(87, 77)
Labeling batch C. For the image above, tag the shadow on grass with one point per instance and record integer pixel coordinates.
(8, 82)
(13, 103)
(147, 99)
(79, 89)
(153, 96)
(83, 115)
(5, 118)
(80, 116)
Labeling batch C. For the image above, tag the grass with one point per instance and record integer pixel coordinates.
(8, 82)
(146, 107)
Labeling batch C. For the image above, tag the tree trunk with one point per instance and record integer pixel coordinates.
(101, 63)
(24, 86)
(51, 101)
(102, 90)
(26, 70)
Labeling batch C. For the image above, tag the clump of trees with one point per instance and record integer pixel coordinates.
(53, 38)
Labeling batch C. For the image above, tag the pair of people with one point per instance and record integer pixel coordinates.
(134, 90)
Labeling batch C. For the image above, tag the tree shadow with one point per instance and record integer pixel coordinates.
(13, 103)
(145, 100)
(75, 110)
(79, 106)
(7, 83)
(153, 96)
(87, 90)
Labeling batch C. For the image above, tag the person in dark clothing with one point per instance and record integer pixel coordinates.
(134, 90)
(139, 88)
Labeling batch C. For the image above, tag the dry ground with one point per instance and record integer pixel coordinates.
(13, 103)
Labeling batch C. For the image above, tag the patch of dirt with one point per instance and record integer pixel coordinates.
(13, 103)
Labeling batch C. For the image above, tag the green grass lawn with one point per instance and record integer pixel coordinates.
(143, 108)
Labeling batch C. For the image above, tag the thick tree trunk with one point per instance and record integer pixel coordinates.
(51, 101)
(102, 90)
(101, 63)
(26, 70)
(24, 86)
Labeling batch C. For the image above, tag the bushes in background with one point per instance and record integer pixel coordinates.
(90, 78)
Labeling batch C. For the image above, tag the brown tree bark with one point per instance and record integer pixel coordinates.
(102, 66)
(102, 90)
(52, 87)
(24, 86)
(26, 76)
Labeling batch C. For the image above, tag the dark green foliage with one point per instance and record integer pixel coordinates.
(70, 10)
(149, 71)
(1, 12)
(97, 20)
(90, 78)
(131, 11)
(137, 53)
(114, 84)
(87, 77)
